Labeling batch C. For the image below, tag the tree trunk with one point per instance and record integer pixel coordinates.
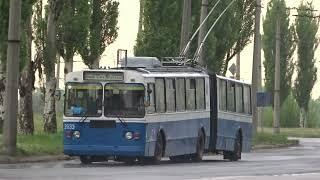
(26, 125)
(50, 124)
(141, 17)
(50, 121)
(2, 92)
(302, 118)
(95, 64)
(68, 66)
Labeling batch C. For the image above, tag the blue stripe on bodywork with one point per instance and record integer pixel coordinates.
(181, 136)
(105, 141)
(226, 134)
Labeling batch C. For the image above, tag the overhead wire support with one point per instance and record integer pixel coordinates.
(196, 55)
(183, 53)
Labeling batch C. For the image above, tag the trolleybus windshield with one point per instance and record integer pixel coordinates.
(83, 100)
(124, 100)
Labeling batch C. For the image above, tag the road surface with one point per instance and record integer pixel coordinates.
(301, 162)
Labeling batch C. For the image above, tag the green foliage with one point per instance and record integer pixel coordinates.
(102, 31)
(277, 8)
(307, 43)
(26, 12)
(160, 36)
(289, 117)
(230, 35)
(72, 28)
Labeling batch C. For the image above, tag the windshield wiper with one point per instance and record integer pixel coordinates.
(84, 117)
(123, 122)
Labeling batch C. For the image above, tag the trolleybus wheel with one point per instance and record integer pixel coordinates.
(234, 155)
(85, 159)
(200, 147)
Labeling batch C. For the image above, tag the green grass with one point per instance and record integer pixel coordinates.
(298, 132)
(40, 143)
(271, 139)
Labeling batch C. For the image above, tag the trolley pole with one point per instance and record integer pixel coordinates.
(255, 67)
(11, 98)
(276, 106)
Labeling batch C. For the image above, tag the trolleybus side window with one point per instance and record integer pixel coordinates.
(200, 94)
(180, 94)
(247, 99)
(239, 98)
(124, 100)
(160, 95)
(83, 100)
(151, 97)
(170, 95)
(231, 96)
(190, 94)
(223, 95)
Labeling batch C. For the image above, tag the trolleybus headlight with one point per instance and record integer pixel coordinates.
(129, 135)
(76, 134)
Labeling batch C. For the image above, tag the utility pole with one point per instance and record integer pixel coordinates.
(238, 66)
(203, 29)
(186, 24)
(11, 100)
(276, 106)
(259, 84)
(255, 66)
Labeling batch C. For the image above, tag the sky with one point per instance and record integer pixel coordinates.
(128, 28)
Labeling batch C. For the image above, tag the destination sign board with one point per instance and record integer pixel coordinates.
(102, 76)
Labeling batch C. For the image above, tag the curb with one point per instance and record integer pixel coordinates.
(294, 142)
(32, 159)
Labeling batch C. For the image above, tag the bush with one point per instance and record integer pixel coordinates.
(290, 114)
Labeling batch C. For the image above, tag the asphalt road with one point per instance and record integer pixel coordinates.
(302, 162)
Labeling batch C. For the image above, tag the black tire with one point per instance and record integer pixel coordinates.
(234, 155)
(180, 158)
(85, 159)
(158, 150)
(200, 148)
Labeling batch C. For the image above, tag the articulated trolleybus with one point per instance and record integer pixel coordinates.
(148, 109)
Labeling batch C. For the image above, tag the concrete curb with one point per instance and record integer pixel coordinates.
(294, 142)
(32, 159)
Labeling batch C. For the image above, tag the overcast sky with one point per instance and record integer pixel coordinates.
(128, 28)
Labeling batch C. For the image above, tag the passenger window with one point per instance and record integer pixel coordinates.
(191, 94)
(151, 97)
(231, 96)
(160, 96)
(181, 94)
(170, 95)
(200, 95)
(247, 99)
(222, 95)
(239, 98)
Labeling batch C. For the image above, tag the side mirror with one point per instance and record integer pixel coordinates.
(149, 91)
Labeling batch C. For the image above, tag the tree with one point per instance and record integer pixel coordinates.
(161, 29)
(26, 82)
(50, 52)
(73, 24)
(306, 29)
(102, 32)
(4, 22)
(277, 8)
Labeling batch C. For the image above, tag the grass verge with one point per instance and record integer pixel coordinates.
(298, 132)
(39, 144)
(266, 140)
